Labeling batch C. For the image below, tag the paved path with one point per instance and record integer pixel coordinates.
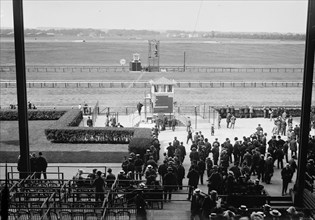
(243, 127)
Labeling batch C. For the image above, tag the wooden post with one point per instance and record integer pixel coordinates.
(306, 103)
(21, 86)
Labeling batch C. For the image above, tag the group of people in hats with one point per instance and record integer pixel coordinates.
(219, 212)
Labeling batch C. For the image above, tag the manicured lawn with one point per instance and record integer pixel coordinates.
(9, 139)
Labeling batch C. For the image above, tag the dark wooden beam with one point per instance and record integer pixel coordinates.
(306, 103)
(21, 86)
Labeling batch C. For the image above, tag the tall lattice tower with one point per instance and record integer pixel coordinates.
(154, 56)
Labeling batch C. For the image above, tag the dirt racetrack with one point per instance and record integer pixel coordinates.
(112, 97)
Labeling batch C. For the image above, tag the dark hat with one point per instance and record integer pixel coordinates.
(99, 173)
(109, 170)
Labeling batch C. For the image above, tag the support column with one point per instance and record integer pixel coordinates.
(306, 102)
(21, 86)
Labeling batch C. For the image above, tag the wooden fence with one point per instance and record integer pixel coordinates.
(146, 84)
(95, 68)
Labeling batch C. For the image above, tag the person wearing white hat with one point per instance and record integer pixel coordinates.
(150, 175)
(196, 204)
(78, 178)
(291, 212)
(275, 214)
(228, 214)
(122, 178)
(256, 216)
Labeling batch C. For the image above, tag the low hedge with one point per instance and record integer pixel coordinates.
(141, 141)
(33, 114)
(66, 130)
(71, 118)
(89, 135)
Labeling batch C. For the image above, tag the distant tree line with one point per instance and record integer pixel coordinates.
(98, 33)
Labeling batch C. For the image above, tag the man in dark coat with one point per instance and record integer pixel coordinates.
(110, 178)
(162, 170)
(286, 174)
(150, 175)
(196, 204)
(139, 107)
(193, 179)
(173, 123)
(89, 122)
(194, 155)
(201, 168)
(182, 151)
(138, 167)
(169, 183)
(141, 204)
(215, 151)
(42, 165)
(215, 180)
(170, 150)
(268, 169)
(34, 164)
(99, 185)
(180, 175)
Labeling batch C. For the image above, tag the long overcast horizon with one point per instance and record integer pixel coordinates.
(282, 16)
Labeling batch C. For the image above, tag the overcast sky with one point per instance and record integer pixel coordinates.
(235, 15)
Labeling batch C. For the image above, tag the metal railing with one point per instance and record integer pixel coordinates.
(145, 84)
(100, 68)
